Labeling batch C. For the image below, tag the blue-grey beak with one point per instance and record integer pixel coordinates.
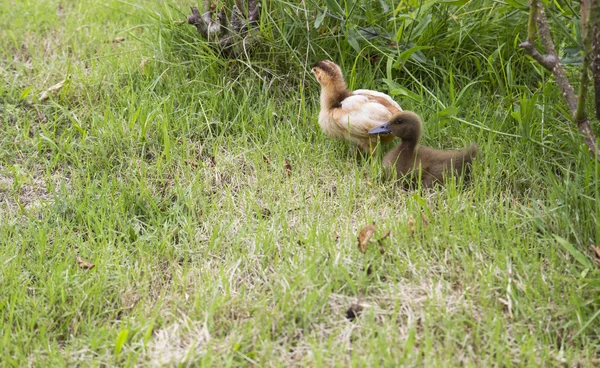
(384, 129)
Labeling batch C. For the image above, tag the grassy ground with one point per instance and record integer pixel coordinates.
(163, 165)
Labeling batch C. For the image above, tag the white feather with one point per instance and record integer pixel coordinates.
(368, 92)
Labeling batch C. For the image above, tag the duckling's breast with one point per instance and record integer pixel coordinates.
(329, 125)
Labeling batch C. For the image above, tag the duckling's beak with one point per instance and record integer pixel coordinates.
(384, 129)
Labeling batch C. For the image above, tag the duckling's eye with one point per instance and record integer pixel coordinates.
(398, 121)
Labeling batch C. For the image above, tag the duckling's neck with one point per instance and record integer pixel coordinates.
(334, 93)
(411, 142)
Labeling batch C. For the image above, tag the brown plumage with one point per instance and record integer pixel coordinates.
(408, 156)
(351, 114)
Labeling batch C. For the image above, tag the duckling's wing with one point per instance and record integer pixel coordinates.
(358, 114)
(381, 98)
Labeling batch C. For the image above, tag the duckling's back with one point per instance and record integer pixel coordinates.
(437, 162)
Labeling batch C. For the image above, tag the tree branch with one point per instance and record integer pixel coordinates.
(226, 33)
(551, 62)
(579, 115)
(595, 56)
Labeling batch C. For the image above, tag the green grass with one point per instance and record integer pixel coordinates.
(150, 164)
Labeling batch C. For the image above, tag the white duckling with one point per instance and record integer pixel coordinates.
(351, 115)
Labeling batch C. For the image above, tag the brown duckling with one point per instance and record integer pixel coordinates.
(351, 114)
(408, 156)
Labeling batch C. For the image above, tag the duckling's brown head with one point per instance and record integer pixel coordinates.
(328, 73)
(405, 124)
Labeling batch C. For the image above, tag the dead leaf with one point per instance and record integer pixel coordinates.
(115, 40)
(337, 236)
(143, 66)
(288, 168)
(354, 311)
(386, 235)
(425, 219)
(364, 236)
(52, 90)
(192, 163)
(83, 264)
(212, 162)
(411, 225)
(597, 251)
(381, 250)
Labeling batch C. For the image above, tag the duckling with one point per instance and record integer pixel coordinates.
(350, 115)
(408, 156)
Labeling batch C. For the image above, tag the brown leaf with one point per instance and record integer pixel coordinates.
(386, 235)
(83, 264)
(425, 219)
(597, 251)
(116, 40)
(143, 65)
(381, 250)
(52, 90)
(192, 163)
(364, 236)
(212, 162)
(288, 168)
(411, 225)
(337, 236)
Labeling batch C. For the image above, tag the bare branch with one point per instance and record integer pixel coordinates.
(579, 116)
(196, 20)
(595, 56)
(226, 33)
(558, 70)
(551, 62)
(253, 12)
(547, 61)
(531, 28)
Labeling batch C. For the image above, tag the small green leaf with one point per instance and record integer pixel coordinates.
(121, 339)
(398, 90)
(320, 18)
(384, 6)
(453, 2)
(420, 28)
(423, 205)
(353, 40)
(516, 115)
(448, 111)
(517, 4)
(25, 93)
(148, 333)
(406, 54)
(335, 7)
(580, 257)
(587, 324)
